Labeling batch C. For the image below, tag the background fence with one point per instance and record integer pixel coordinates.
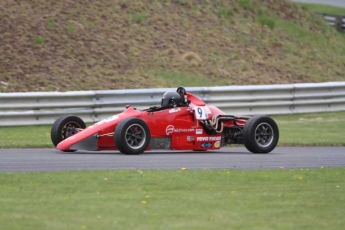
(335, 20)
(44, 107)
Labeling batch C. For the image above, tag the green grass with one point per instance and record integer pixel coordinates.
(39, 40)
(246, 4)
(139, 17)
(25, 136)
(71, 27)
(50, 23)
(317, 129)
(225, 11)
(171, 79)
(266, 21)
(174, 199)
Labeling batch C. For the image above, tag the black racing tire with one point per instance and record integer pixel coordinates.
(64, 127)
(132, 136)
(260, 134)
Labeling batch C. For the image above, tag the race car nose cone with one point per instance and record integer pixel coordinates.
(62, 146)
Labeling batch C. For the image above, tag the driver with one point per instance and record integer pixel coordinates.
(171, 99)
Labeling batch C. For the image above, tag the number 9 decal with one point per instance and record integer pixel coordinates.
(200, 113)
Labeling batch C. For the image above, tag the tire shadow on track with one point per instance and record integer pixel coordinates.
(160, 152)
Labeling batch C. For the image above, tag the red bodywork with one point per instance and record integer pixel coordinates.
(178, 127)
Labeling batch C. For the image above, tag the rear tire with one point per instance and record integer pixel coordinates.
(132, 136)
(64, 127)
(260, 134)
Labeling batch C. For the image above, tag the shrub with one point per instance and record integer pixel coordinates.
(71, 27)
(139, 17)
(267, 21)
(224, 11)
(39, 40)
(246, 4)
(50, 23)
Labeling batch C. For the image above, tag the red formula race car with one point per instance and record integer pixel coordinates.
(182, 122)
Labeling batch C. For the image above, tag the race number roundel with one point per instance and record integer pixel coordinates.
(200, 113)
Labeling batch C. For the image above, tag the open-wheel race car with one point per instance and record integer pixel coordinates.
(182, 122)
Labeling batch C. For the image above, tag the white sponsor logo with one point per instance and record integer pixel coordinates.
(190, 138)
(198, 131)
(109, 119)
(209, 138)
(216, 138)
(174, 110)
(171, 129)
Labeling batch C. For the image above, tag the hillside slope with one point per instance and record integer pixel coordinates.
(101, 44)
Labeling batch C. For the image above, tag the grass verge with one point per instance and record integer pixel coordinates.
(316, 129)
(320, 8)
(25, 137)
(174, 199)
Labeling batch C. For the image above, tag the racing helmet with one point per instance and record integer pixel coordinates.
(170, 99)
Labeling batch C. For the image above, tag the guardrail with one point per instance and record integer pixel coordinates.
(335, 20)
(38, 108)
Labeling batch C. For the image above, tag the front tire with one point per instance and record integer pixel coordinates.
(132, 136)
(260, 134)
(64, 127)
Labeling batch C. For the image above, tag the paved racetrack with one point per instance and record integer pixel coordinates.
(39, 160)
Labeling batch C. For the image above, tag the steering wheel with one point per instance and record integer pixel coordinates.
(183, 94)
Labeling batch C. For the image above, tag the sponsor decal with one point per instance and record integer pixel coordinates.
(208, 111)
(200, 113)
(206, 145)
(174, 110)
(183, 130)
(198, 131)
(109, 119)
(171, 129)
(190, 138)
(211, 138)
(115, 117)
(217, 144)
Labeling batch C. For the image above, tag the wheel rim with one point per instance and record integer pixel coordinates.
(69, 129)
(264, 134)
(135, 136)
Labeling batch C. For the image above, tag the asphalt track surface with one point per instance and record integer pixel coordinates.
(44, 160)
(41, 160)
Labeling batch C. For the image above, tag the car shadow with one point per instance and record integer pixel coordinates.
(160, 152)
